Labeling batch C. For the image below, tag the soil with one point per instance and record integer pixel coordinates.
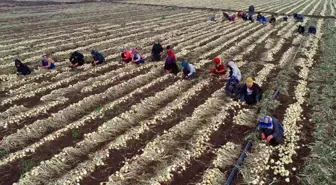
(158, 129)
(56, 146)
(72, 97)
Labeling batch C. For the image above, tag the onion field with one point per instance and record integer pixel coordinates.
(126, 124)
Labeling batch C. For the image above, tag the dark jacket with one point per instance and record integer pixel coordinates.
(277, 131)
(254, 97)
(98, 57)
(22, 68)
(251, 9)
(77, 58)
(157, 49)
(301, 29)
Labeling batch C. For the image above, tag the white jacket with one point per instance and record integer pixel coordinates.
(235, 71)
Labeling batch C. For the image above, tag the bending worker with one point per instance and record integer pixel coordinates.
(271, 131)
(251, 92)
(188, 70)
(76, 59)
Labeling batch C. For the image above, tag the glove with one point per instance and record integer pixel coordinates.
(242, 98)
(263, 137)
(269, 139)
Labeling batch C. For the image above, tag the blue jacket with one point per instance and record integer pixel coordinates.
(99, 57)
(276, 131)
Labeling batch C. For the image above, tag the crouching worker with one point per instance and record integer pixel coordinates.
(312, 30)
(251, 92)
(97, 57)
(272, 20)
(47, 62)
(157, 50)
(234, 78)
(170, 61)
(301, 29)
(188, 70)
(126, 55)
(136, 57)
(76, 59)
(225, 16)
(271, 131)
(285, 18)
(219, 68)
(21, 68)
(232, 18)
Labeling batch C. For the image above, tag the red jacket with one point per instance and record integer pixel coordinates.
(127, 55)
(219, 68)
(171, 54)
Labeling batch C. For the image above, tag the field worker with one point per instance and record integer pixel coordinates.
(225, 16)
(298, 17)
(97, 57)
(251, 92)
(271, 131)
(234, 77)
(47, 62)
(126, 55)
(251, 13)
(188, 70)
(263, 20)
(232, 18)
(251, 10)
(239, 14)
(136, 57)
(301, 29)
(245, 16)
(259, 16)
(157, 50)
(170, 61)
(285, 18)
(21, 68)
(219, 67)
(76, 59)
(312, 30)
(272, 20)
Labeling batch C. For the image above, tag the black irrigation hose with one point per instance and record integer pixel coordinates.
(239, 162)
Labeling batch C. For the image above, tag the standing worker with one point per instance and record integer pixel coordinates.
(251, 92)
(188, 70)
(251, 12)
(271, 131)
(157, 50)
(97, 57)
(76, 59)
(47, 62)
(21, 68)
(273, 19)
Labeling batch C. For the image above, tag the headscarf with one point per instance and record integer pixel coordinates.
(17, 61)
(44, 56)
(265, 122)
(217, 61)
(93, 52)
(135, 51)
(235, 71)
(249, 80)
(184, 64)
(123, 49)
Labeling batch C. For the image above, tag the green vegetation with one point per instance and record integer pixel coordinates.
(321, 164)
